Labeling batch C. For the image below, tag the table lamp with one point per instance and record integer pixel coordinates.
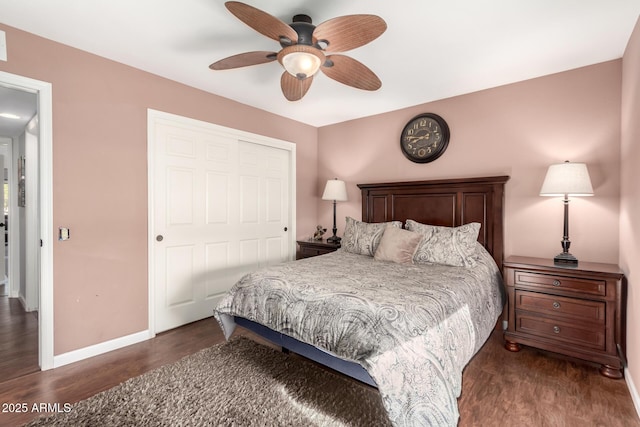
(335, 190)
(566, 179)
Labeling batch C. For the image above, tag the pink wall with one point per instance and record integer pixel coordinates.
(630, 198)
(517, 130)
(100, 178)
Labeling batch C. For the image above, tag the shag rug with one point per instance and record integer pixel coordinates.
(237, 383)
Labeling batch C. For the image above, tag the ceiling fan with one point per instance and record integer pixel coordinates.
(307, 48)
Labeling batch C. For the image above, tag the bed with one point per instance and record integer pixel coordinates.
(387, 308)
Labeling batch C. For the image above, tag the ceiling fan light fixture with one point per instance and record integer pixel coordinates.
(301, 64)
(301, 61)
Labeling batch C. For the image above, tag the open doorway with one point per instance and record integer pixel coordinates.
(29, 282)
(19, 301)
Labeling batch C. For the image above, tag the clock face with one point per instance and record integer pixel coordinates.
(424, 138)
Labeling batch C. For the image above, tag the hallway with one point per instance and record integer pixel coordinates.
(18, 339)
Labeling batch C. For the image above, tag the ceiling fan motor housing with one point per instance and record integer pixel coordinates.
(302, 24)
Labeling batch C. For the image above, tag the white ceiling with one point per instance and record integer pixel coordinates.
(20, 103)
(431, 49)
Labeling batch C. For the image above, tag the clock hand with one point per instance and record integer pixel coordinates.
(418, 138)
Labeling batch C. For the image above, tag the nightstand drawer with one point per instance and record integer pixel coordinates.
(584, 335)
(310, 252)
(541, 281)
(311, 248)
(570, 308)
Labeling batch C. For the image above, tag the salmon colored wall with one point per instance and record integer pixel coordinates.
(516, 130)
(100, 178)
(630, 201)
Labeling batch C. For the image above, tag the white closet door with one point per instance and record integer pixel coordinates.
(221, 210)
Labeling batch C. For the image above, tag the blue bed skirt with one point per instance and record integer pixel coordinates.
(346, 367)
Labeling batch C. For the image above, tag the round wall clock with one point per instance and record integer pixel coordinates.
(424, 138)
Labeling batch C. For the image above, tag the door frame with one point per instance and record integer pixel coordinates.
(154, 116)
(45, 151)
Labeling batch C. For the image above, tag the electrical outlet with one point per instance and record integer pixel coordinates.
(3, 46)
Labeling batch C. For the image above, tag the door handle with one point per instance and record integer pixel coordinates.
(2, 224)
(285, 229)
(159, 237)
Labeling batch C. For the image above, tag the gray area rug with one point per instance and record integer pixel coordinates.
(238, 383)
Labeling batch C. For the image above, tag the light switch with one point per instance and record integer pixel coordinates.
(63, 233)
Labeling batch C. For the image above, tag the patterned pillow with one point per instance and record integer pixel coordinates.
(362, 237)
(446, 245)
(397, 245)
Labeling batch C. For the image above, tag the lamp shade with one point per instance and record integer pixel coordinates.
(571, 179)
(335, 190)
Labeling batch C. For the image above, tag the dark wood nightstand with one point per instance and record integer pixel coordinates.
(579, 312)
(309, 248)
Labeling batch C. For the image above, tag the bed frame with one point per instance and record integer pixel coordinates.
(446, 202)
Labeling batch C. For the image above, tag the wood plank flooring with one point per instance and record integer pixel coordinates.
(529, 388)
(18, 340)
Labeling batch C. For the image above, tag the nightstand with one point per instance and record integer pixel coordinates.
(576, 311)
(309, 248)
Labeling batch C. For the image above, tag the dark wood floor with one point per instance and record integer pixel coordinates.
(500, 388)
(18, 339)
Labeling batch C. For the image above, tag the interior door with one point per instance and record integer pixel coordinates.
(220, 210)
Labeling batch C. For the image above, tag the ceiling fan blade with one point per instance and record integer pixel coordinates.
(293, 88)
(350, 72)
(349, 32)
(244, 60)
(262, 22)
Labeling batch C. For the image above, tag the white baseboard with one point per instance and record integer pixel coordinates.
(97, 349)
(23, 302)
(633, 390)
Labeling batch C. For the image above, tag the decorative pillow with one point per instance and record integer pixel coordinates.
(446, 245)
(363, 237)
(397, 245)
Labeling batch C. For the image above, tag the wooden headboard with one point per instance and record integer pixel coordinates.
(446, 202)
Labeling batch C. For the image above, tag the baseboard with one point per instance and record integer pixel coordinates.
(97, 349)
(23, 302)
(633, 390)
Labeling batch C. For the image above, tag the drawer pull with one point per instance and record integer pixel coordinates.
(556, 329)
(556, 305)
(556, 283)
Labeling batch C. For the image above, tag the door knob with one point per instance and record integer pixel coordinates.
(159, 237)
(285, 229)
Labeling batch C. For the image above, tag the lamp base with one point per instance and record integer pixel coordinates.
(565, 259)
(334, 239)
